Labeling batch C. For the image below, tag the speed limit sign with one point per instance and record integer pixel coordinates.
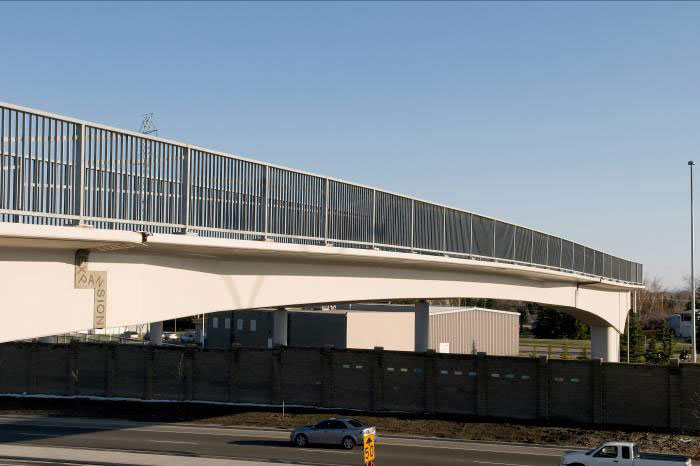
(368, 449)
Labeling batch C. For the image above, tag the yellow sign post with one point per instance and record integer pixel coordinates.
(368, 448)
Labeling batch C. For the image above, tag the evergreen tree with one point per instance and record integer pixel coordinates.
(584, 353)
(650, 354)
(636, 339)
(665, 336)
(565, 350)
(555, 325)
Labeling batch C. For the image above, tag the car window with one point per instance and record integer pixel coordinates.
(607, 452)
(323, 425)
(336, 425)
(355, 423)
(625, 453)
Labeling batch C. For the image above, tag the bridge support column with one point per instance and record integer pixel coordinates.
(279, 327)
(422, 327)
(605, 343)
(155, 335)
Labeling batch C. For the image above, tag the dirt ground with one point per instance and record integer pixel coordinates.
(443, 427)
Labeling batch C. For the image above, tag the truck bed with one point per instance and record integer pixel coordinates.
(663, 457)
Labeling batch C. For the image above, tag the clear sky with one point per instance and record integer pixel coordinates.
(574, 118)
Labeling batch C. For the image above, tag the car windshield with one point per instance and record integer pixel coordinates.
(590, 452)
(355, 423)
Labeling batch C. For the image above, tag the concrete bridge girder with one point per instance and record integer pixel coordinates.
(177, 276)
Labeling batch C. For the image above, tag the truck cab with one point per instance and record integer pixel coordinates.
(621, 454)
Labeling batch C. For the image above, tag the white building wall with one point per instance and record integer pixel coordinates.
(392, 330)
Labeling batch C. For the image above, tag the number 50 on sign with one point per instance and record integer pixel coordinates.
(369, 449)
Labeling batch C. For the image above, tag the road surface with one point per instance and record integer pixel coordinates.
(242, 444)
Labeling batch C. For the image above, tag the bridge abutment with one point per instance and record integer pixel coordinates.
(605, 343)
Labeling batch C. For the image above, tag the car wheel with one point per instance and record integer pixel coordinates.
(301, 440)
(348, 443)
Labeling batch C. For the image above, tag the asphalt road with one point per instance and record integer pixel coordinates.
(255, 444)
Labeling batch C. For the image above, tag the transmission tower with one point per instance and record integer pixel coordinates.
(147, 125)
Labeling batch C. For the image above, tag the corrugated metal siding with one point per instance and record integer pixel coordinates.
(494, 333)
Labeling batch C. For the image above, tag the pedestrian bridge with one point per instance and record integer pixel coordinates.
(107, 227)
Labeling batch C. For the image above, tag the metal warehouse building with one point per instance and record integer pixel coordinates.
(473, 329)
(365, 326)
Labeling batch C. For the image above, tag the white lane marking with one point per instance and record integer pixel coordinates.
(25, 461)
(315, 450)
(34, 434)
(479, 450)
(173, 441)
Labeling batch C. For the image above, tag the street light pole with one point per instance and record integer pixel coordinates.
(634, 309)
(692, 262)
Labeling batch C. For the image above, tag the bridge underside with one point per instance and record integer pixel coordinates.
(163, 277)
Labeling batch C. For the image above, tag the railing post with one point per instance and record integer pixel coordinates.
(79, 174)
(374, 216)
(471, 233)
(266, 208)
(325, 213)
(561, 252)
(444, 229)
(494, 240)
(413, 221)
(185, 189)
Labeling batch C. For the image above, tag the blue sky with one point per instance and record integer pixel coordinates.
(574, 118)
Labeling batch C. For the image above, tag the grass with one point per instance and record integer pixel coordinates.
(555, 343)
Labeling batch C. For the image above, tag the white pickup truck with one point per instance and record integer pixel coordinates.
(621, 454)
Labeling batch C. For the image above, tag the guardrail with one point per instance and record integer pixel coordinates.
(58, 170)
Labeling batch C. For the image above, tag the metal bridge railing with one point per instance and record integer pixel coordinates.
(56, 170)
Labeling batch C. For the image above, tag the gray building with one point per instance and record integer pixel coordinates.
(364, 326)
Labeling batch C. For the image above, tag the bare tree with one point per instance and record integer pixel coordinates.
(655, 302)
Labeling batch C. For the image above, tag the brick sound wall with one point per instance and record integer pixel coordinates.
(589, 392)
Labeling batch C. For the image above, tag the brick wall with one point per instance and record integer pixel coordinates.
(589, 392)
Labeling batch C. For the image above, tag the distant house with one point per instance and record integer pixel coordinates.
(681, 324)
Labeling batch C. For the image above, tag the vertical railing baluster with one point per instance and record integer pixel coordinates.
(79, 175)
(413, 221)
(266, 183)
(374, 217)
(185, 189)
(493, 250)
(444, 229)
(325, 212)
